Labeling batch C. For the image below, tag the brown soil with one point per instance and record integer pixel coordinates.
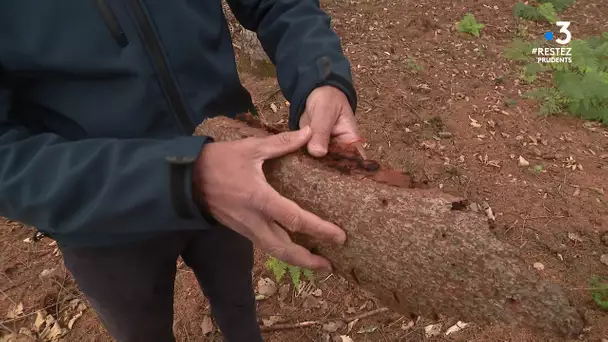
(402, 111)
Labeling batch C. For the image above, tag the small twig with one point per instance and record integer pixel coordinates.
(511, 227)
(289, 326)
(7, 297)
(589, 288)
(366, 314)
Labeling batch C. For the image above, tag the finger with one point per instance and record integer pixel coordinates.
(345, 130)
(280, 144)
(322, 124)
(291, 253)
(295, 219)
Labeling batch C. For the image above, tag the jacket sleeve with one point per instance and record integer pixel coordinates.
(95, 187)
(297, 37)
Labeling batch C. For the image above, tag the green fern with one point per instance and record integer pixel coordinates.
(530, 71)
(469, 24)
(559, 5)
(580, 88)
(547, 10)
(279, 268)
(521, 10)
(552, 100)
(519, 50)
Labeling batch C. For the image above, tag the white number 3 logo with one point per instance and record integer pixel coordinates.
(564, 29)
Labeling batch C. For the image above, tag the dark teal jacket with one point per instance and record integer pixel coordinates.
(99, 98)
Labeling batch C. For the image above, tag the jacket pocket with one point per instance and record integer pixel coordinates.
(112, 23)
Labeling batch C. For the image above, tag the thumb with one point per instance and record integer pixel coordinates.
(283, 143)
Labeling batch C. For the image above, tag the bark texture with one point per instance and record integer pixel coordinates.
(420, 251)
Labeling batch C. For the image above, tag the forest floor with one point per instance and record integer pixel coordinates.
(443, 105)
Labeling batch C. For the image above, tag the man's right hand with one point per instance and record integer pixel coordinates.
(231, 182)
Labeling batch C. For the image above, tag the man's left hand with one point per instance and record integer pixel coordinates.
(329, 115)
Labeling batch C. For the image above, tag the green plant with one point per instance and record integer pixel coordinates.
(599, 291)
(519, 50)
(580, 87)
(411, 63)
(527, 12)
(559, 5)
(538, 168)
(510, 102)
(530, 71)
(469, 24)
(547, 10)
(279, 268)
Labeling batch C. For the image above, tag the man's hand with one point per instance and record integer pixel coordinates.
(329, 115)
(230, 179)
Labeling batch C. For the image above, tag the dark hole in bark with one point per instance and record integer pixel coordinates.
(444, 235)
(396, 297)
(353, 273)
(384, 202)
(460, 205)
(370, 165)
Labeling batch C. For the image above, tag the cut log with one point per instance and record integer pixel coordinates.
(419, 251)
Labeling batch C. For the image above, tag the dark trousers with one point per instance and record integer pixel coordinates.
(131, 286)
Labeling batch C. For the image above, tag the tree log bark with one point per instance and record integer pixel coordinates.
(420, 251)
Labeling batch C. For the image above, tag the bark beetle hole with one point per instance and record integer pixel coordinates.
(384, 202)
(353, 273)
(370, 165)
(444, 235)
(396, 297)
(460, 205)
(512, 301)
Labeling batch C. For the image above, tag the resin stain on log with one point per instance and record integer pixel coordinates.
(402, 238)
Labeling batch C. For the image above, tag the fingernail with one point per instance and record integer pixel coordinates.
(318, 150)
(305, 130)
(340, 240)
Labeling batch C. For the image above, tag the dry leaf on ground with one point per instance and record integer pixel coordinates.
(367, 330)
(351, 325)
(266, 288)
(408, 325)
(331, 326)
(432, 330)
(15, 311)
(271, 320)
(523, 161)
(207, 325)
(310, 302)
(74, 319)
(575, 237)
(456, 327)
(604, 259)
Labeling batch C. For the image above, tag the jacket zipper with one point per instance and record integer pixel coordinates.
(112, 23)
(171, 91)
